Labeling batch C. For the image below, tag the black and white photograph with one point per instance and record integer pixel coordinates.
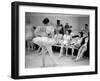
(50, 40)
(54, 40)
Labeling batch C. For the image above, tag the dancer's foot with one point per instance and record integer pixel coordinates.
(66, 55)
(76, 60)
(56, 63)
(60, 55)
(39, 53)
(73, 57)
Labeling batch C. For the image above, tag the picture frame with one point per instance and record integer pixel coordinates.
(18, 9)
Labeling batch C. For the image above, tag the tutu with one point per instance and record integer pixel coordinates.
(44, 41)
(51, 41)
(66, 39)
(65, 42)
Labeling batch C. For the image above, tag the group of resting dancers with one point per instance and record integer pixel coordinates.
(47, 36)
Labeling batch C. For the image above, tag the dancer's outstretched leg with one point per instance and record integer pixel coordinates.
(49, 48)
(81, 52)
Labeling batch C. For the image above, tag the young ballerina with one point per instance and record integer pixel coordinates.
(66, 41)
(44, 39)
(82, 49)
(76, 43)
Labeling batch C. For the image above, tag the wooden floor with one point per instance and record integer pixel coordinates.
(33, 60)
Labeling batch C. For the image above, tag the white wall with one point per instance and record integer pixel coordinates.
(83, 21)
(5, 41)
(77, 22)
(36, 19)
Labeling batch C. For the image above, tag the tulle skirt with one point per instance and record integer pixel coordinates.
(43, 41)
(65, 42)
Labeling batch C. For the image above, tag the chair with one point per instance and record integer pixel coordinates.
(73, 46)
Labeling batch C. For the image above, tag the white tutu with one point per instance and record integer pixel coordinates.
(66, 39)
(43, 41)
(51, 41)
(65, 42)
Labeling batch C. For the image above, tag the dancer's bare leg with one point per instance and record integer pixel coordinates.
(61, 51)
(80, 53)
(43, 56)
(39, 51)
(72, 52)
(28, 46)
(49, 48)
(66, 50)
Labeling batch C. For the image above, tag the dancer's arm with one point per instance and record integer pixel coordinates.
(39, 31)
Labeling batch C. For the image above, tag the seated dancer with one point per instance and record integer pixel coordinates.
(58, 38)
(66, 42)
(44, 39)
(82, 49)
(76, 44)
